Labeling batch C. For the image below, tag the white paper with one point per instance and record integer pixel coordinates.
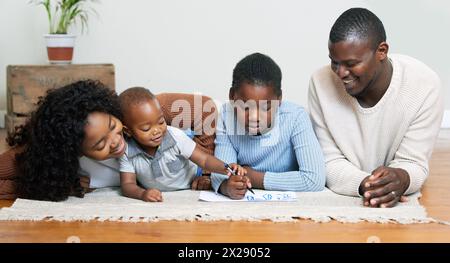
(259, 196)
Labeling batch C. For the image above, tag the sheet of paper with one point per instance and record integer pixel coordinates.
(259, 196)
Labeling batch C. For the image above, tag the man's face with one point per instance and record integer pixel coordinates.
(356, 64)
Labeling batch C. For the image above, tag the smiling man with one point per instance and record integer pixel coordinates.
(376, 117)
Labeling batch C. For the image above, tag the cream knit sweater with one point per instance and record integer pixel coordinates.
(399, 131)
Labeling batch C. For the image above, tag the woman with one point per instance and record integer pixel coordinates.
(76, 130)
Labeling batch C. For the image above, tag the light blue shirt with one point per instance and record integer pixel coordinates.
(289, 154)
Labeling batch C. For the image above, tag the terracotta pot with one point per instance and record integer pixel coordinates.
(60, 48)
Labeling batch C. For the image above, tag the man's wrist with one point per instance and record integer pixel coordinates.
(404, 178)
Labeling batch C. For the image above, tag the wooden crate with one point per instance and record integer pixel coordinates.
(12, 121)
(26, 83)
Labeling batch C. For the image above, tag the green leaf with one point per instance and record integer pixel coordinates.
(62, 14)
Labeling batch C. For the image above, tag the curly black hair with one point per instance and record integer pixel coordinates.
(52, 138)
(257, 69)
(359, 23)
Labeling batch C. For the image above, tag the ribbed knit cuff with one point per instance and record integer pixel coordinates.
(217, 180)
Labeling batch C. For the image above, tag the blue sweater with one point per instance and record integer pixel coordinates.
(289, 154)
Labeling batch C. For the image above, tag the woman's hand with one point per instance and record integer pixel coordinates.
(85, 182)
(201, 183)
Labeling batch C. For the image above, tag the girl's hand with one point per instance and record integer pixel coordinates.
(152, 195)
(240, 171)
(235, 186)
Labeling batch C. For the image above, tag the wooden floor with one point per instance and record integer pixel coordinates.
(436, 193)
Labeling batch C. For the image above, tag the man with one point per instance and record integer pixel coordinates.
(376, 117)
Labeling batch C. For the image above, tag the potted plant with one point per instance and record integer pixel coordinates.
(62, 14)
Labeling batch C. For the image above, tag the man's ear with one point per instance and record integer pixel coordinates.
(382, 51)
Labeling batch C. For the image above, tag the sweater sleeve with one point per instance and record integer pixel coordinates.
(224, 151)
(311, 174)
(342, 176)
(199, 111)
(417, 145)
(8, 173)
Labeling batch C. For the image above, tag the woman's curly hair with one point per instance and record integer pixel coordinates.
(52, 138)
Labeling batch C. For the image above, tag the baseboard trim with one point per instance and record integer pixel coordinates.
(2, 118)
(446, 120)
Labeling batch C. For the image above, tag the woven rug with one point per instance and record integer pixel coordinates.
(108, 205)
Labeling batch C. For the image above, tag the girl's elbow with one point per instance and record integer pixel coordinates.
(319, 185)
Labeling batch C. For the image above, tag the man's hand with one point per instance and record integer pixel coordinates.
(235, 186)
(385, 187)
(201, 183)
(152, 195)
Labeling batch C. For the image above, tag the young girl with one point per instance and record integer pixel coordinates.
(274, 139)
(158, 156)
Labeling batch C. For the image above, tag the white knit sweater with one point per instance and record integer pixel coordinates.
(399, 131)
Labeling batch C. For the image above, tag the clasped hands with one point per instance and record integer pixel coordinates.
(384, 187)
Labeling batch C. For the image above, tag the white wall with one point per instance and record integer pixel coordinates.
(192, 46)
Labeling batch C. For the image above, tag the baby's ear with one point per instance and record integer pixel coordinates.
(126, 131)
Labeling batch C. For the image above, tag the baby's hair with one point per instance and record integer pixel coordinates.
(134, 96)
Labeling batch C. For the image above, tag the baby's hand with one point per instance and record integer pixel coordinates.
(239, 170)
(152, 195)
(201, 183)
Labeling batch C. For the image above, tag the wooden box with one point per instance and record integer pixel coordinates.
(26, 83)
(12, 121)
